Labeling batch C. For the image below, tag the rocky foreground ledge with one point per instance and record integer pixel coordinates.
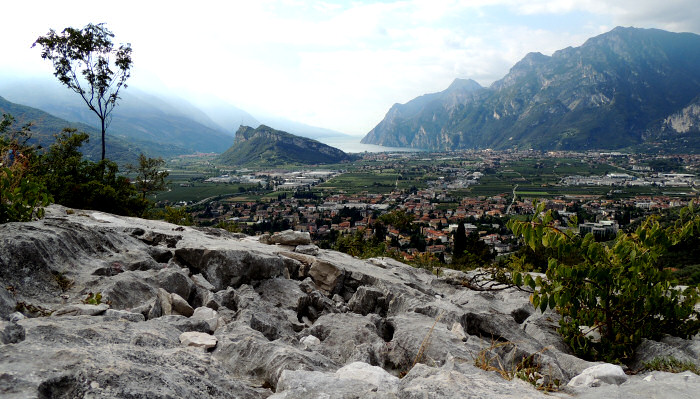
(203, 313)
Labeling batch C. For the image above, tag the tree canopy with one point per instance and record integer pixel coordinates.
(87, 62)
(611, 295)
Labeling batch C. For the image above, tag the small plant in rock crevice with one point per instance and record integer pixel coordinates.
(64, 283)
(527, 369)
(423, 346)
(93, 299)
(671, 365)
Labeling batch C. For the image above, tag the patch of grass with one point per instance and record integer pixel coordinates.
(527, 369)
(671, 365)
(30, 310)
(64, 283)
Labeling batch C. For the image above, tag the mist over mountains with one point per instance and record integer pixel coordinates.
(626, 88)
(160, 125)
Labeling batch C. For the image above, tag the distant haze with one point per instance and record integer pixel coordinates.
(335, 65)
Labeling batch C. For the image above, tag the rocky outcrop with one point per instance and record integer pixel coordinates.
(269, 147)
(204, 314)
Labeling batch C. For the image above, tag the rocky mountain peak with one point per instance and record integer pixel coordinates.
(604, 94)
(466, 85)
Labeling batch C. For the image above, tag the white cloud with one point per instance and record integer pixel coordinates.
(332, 63)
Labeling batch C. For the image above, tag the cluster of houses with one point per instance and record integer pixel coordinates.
(624, 179)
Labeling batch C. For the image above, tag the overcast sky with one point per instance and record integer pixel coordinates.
(334, 64)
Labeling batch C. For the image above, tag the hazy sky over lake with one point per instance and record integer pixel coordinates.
(334, 64)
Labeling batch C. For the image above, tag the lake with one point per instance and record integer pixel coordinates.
(352, 144)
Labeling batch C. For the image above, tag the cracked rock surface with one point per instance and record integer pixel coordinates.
(202, 313)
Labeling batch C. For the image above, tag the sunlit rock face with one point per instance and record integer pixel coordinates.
(101, 306)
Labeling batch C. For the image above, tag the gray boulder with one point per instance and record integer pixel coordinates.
(355, 380)
(81, 310)
(290, 237)
(224, 268)
(248, 354)
(11, 333)
(180, 306)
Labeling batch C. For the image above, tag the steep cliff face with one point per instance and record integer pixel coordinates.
(686, 120)
(604, 94)
(203, 313)
(269, 147)
(419, 122)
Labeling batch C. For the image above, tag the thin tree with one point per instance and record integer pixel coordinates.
(150, 177)
(87, 62)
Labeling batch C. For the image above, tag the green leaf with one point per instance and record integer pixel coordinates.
(517, 279)
(543, 302)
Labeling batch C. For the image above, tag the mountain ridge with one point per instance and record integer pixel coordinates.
(611, 92)
(270, 147)
(44, 126)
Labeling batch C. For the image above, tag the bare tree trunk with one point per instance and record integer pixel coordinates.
(103, 138)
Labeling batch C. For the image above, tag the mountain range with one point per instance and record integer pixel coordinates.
(626, 88)
(265, 146)
(157, 124)
(45, 126)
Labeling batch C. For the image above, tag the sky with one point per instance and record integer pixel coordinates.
(334, 64)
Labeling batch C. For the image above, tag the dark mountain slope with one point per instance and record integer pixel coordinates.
(45, 126)
(608, 93)
(265, 146)
(139, 115)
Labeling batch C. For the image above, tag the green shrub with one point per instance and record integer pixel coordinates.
(22, 193)
(616, 289)
(178, 216)
(78, 183)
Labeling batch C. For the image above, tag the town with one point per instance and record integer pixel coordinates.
(439, 191)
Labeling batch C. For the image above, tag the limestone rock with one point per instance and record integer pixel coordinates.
(367, 300)
(226, 298)
(174, 281)
(657, 384)
(11, 333)
(7, 303)
(97, 357)
(348, 337)
(325, 274)
(247, 353)
(81, 310)
(163, 305)
(462, 380)
(287, 324)
(669, 347)
(290, 237)
(202, 282)
(198, 339)
(310, 249)
(310, 342)
(123, 314)
(594, 376)
(232, 267)
(356, 380)
(208, 316)
(180, 306)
